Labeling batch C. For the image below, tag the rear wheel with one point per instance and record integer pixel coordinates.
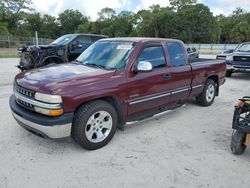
(206, 98)
(237, 142)
(94, 124)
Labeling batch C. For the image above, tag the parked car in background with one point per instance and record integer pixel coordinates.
(64, 49)
(114, 81)
(224, 54)
(192, 52)
(239, 59)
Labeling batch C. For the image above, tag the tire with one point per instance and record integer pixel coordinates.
(229, 73)
(94, 124)
(237, 142)
(206, 98)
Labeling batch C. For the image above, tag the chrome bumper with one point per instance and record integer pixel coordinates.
(52, 127)
(54, 132)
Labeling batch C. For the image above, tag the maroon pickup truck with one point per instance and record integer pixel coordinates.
(112, 82)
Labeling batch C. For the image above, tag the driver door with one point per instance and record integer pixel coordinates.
(148, 90)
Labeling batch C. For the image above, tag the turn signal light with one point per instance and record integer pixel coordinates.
(55, 112)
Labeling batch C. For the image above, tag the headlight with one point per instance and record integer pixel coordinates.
(56, 112)
(48, 98)
(229, 58)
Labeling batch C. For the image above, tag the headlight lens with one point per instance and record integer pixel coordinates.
(229, 58)
(48, 98)
(48, 112)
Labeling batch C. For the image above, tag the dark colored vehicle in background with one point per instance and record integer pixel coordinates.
(64, 49)
(239, 60)
(192, 52)
(112, 82)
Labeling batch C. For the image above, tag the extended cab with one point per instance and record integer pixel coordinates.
(112, 82)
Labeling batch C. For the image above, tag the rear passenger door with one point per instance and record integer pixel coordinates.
(147, 90)
(181, 74)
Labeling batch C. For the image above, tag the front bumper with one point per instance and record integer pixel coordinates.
(237, 67)
(51, 127)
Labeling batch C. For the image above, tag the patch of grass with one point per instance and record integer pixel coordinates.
(8, 55)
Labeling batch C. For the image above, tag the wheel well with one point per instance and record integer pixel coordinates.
(215, 78)
(116, 104)
(60, 60)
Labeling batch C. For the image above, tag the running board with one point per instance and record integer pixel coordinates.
(152, 113)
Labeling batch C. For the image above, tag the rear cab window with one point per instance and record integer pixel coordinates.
(176, 54)
(154, 55)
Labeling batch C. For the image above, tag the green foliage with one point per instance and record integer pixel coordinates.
(184, 19)
(178, 4)
(69, 21)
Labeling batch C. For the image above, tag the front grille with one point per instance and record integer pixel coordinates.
(23, 91)
(26, 93)
(241, 58)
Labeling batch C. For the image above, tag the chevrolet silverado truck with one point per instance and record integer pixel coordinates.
(114, 81)
(64, 49)
(239, 59)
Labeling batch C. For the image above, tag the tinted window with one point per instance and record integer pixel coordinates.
(95, 38)
(154, 55)
(83, 39)
(176, 54)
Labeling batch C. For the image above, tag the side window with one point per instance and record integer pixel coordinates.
(154, 55)
(95, 38)
(83, 39)
(176, 54)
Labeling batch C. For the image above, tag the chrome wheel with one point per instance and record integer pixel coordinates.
(98, 126)
(210, 93)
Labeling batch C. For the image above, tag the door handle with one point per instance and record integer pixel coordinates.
(167, 76)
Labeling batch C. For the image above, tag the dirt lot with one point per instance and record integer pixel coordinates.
(188, 147)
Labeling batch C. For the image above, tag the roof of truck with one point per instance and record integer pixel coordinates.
(140, 39)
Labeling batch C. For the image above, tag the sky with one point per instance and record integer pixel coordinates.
(92, 7)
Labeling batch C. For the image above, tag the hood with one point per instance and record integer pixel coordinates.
(54, 79)
(247, 54)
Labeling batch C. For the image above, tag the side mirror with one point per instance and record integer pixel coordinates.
(144, 66)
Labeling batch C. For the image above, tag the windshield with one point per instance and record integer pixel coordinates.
(63, 40)
(107, 54)
(244, 48)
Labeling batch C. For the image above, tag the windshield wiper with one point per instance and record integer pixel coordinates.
(76, 62)
(95, 65)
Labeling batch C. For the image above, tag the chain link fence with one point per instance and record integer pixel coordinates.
(18, 41)
(213, 48)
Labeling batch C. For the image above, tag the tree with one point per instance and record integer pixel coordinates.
(12, 12)
(179, 4)
(70, 20)
(194, 23)
(105, 21)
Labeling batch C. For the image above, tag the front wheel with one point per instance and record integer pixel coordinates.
(94, 124)
(237, 142)
(206, 98)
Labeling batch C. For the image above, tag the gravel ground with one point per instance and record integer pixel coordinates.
(188, 147)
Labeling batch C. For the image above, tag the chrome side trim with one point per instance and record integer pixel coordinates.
(37, 103)
(180, 91)
(150, 98)
(159, 96)
(56, 131)
(197, 86)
